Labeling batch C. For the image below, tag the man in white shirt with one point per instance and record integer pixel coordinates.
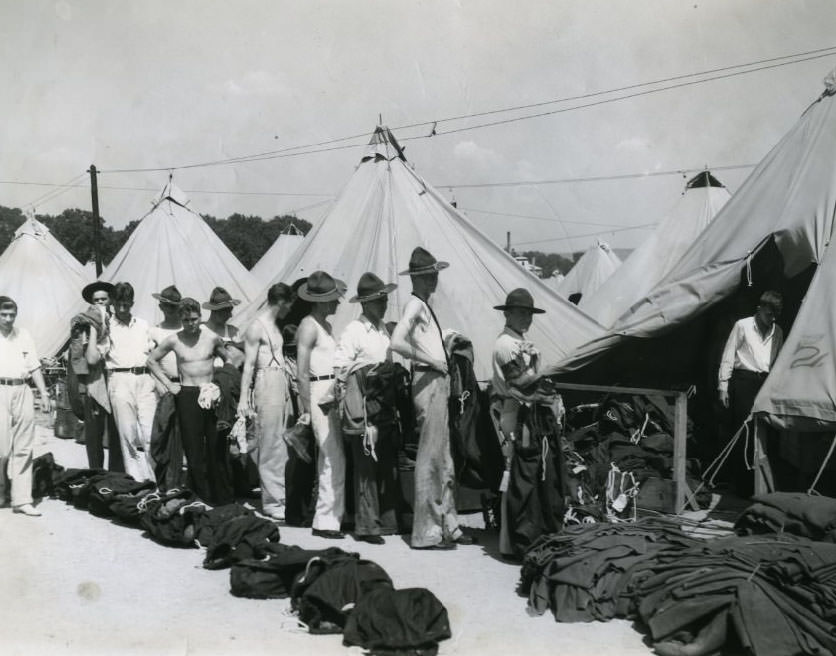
(750, 350)
(365, 341)
(18, 361)
(130, 386)
(435, 524)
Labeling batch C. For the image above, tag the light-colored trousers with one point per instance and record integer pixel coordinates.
(330, 502)
(17, 439)
(434, 517)
(134, 401)
(270, 400)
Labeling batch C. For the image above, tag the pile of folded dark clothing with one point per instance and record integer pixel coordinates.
(765, 595)
(331, 591)
(809, 516)
(582, 574)
(631, 439)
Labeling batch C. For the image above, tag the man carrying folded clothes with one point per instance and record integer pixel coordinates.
(363, 345)
(130, 386)
(18, 361)
(89, 338)
(206, 453)
(418, 337)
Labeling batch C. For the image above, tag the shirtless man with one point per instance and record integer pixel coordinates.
(265, 371)
(195, 349)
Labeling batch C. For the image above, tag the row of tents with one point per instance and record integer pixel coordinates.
(711, 255)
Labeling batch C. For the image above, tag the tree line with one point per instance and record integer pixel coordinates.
(247, 236)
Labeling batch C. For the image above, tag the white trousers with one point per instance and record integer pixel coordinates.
(270, 399)
(17, 439)
(330, 503)
(134, 401)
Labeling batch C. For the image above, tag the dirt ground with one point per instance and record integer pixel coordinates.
(73, 583)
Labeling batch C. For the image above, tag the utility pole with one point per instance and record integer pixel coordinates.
(94, 190)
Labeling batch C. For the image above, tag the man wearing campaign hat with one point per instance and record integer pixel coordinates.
(220, 306)
(166, 441)
(89, 338)
(515, 383)
(418, 337)
(315, 374)
(365, 341)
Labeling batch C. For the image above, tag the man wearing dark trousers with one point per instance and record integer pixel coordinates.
(196, 348)
(750, 350)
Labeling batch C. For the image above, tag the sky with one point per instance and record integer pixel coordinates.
(166, 84)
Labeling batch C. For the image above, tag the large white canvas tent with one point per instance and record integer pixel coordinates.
(43, 278)
(593, 268)
(704, 196)
(171, 245)
(381, 215)
(277, 256)
(786, 206)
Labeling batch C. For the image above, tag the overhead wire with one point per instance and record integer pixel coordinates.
(589, 234)
(55, 192)
(751, 67)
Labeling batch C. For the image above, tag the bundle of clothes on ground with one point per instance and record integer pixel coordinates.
(331, 591)
(769, 590)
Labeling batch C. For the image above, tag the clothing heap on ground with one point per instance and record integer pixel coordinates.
(331, 591)
(768, 594)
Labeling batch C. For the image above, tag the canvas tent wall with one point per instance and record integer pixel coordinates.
(381, 215)
(277, 256)
(43, 278)
(774, 232)
(593, 268)
(171, 245)
(703, 197)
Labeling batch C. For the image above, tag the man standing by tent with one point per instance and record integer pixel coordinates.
(130, 387)
(195, 349)
(363, 345)
(264, 366)
(418, 337)
(90, 334)
(18, 361)
(750, 350)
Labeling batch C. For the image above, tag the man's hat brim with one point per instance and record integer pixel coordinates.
(220, 306)
(423, 271)
(163, 299)
(533, 310)
(384, 291)
(337, 292)
(97, 286)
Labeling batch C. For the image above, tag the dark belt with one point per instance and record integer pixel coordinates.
(751, 375)
(423, 367)
(325, 377)
(129, 370)
(12, 381)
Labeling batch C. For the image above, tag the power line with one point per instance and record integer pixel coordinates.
(54, 193)
(590, 234)
(537, 218)
(286, 152)
(595, 178)
(188, 191)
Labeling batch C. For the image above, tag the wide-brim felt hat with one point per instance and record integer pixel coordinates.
(220, 299)
(97, 286)
(170, 295)
(519, 298)
(422, 262)
(371, 288)
(321, 287)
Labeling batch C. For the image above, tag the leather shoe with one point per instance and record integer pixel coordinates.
(27, 509)
(327, 533)
(371, 539)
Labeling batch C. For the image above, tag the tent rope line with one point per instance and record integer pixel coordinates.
(812, 489)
